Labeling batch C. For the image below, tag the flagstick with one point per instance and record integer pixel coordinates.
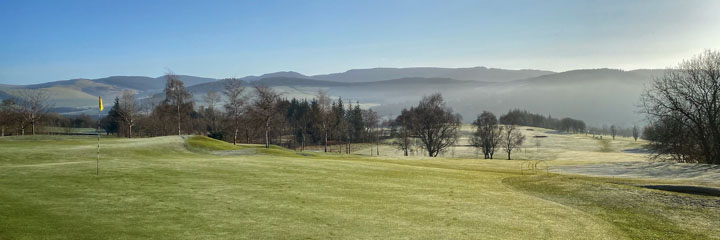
(97, 162)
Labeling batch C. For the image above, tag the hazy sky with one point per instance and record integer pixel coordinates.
(56, 40)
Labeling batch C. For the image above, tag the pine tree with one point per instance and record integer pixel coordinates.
(111, 122)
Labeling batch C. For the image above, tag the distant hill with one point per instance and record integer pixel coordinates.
(585, 76)
(475, 74)
(598, 96)
(298, 82)
(402, 83)
(128, 82)
(289, 74)
(133, 82)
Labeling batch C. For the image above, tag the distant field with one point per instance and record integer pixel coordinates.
(198, 188)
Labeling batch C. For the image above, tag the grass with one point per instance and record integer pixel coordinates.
(199, 188)
(638, 212)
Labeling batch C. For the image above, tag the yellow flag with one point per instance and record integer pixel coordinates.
(101, 105)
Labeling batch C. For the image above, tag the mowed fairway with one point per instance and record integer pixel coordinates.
(196, 188)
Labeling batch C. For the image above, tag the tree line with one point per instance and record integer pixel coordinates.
(24, 113)
(525, 118)
(241, 115)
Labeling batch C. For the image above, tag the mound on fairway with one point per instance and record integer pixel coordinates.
(183, 188)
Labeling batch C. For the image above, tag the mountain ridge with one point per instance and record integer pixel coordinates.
(595, 95)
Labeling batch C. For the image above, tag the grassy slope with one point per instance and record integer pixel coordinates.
(638, 212)
(171, 188)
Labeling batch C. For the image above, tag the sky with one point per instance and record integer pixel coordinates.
(42, 41)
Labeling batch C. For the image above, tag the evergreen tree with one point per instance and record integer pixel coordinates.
(111, 122)
(356, 123)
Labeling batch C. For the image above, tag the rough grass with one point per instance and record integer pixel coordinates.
(637, 212)
(182, 188)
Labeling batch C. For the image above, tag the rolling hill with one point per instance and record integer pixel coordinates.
(475, 74)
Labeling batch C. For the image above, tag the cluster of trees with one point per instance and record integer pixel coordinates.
(258, 115)
(433, 127)
(614, 131)
(321, 120)
(488, 135)
(524, 118)
(25, 111)
(683, 107)
(13, 121)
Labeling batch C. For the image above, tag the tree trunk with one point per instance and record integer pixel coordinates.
(508, 156)
(349, 144)
(129, 130)
(267, 135)
(178, 117)
(235, 135)
(377, 146)
(326, 140)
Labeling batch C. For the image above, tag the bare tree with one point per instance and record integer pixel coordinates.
(487, 134)
(235, 106)
(404, 133)
(128, 111)
(635, 133)
(687, 98)
(613, 131)
(434, 124)
(264, 107)
(34, 104)
(372, 122)
(212, 98)
(177, 97)
(325, 114)
(512, 138)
